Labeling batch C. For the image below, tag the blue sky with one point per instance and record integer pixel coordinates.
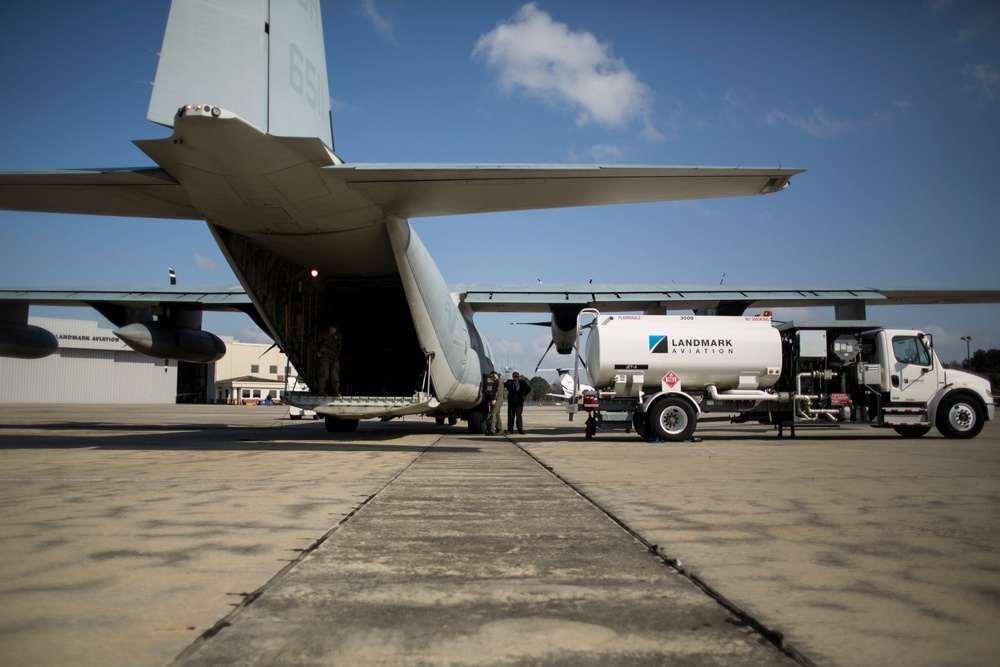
(893, 107)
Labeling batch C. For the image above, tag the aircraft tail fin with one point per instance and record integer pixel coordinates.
(264, 60)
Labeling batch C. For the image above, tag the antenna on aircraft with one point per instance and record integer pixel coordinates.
(173, 276)
(723, 277)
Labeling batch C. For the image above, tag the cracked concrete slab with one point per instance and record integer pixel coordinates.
(482, 557)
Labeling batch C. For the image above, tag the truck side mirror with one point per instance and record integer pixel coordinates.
(927, 340)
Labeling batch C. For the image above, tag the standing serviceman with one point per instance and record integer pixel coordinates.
(495, 394)
(328, 346)
(517, 391)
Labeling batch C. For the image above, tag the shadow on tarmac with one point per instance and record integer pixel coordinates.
(278, 436)
(282, 434)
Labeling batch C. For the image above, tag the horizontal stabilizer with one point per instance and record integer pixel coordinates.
(413, 191)
(141, 193)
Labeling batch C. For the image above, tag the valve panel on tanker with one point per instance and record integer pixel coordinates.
(830, 351)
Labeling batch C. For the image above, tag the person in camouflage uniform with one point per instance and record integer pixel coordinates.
(328, 346)
(494, 392)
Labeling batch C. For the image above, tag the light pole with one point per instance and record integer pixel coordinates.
(968, 358)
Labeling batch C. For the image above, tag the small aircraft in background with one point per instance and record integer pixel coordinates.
(571, 389)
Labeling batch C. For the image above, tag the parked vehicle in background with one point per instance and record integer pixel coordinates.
(294, 412)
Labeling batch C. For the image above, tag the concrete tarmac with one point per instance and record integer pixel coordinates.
(146, 535)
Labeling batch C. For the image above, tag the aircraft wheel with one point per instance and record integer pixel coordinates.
(960, 416)
(911, 431)
(672, 419)
(439, 421)
(452, 421)
(338, 425)
(477, 422)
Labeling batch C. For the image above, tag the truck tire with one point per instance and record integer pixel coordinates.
(338, 425)
(912, 431)
(639, 424)
(672, 419)
(960, 416)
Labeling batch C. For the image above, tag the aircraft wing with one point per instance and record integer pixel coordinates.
(509, 297)
(520, 298)
(401, 190)
(114, 302)
(413, 191)
(904, 297)
(141, 193)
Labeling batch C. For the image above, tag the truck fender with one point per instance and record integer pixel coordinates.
(650, 400)
(948, 391)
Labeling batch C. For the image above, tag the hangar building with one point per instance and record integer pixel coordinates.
(93, 366)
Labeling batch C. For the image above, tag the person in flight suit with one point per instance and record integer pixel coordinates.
(495, 395)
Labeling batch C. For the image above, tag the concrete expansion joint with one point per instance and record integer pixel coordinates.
(742, 617)
(250, 598)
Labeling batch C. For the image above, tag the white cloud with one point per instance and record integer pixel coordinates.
(966, 35)
(381, 24)
(817, 123)
(251, 335)
(339, 106)
(937, 6)
(205, 263)
(985, 78)
(546, 60)
(607, 153)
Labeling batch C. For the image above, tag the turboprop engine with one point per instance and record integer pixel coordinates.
(26, 341)
(170, 341)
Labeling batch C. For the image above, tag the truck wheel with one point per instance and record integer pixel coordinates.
(673, 419)
(338, 425)
(959, 416)
(911, 431)
(639, 424)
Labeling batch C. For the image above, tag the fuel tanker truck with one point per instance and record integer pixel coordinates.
(657, 375)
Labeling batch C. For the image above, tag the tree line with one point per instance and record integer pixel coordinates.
(982, 362)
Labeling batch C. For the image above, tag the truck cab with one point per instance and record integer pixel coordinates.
(913, 392)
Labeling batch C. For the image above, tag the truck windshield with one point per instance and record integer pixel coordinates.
(910, 350)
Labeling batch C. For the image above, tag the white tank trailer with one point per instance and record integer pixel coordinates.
(657, 374)
(728, 352)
